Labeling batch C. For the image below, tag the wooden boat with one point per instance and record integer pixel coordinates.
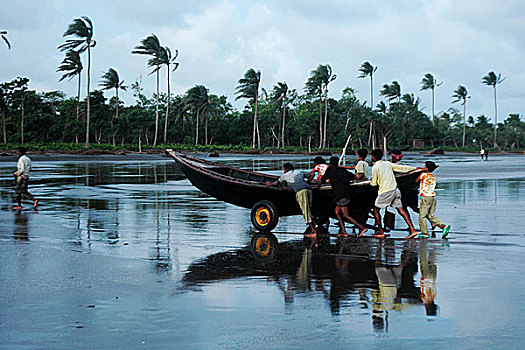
(248, 189)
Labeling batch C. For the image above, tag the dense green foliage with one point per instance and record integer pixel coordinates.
(201, 118)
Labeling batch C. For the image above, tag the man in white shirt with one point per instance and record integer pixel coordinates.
(388, 193)
(22, 179)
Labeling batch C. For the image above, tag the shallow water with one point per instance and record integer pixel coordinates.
(125, 252)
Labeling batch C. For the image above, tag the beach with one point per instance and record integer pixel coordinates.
(124, 252)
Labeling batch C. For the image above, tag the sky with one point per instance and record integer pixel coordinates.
(458, 42)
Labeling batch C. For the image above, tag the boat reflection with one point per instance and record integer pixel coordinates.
(378, 275)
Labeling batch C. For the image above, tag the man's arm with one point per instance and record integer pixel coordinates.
(20, 166)
(402, 168)
(373, 181)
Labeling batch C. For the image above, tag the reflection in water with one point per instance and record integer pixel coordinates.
(20, 231)
(378, 275)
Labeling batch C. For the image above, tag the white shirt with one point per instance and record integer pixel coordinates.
(383, 175)
(24, 166)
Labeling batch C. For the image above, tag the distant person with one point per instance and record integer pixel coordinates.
(340, 181)
(427, 203)
(303, 192)
(397, 155)
(318, 170)
(388, 193)
(22, 179)
(486, 154)
(482, 152)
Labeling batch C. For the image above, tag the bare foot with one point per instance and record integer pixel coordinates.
(379, 235)
(311, 235)
(35, 204)
(343, 234)
(363, 230)
(412, 235)
(17, 208)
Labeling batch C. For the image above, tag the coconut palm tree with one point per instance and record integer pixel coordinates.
(167, 59)
(367, 70)
(391, 92)
(461, 94)
(280, 90)
(326, 77)
(72, 65)
(3, 34)
(197, 99)
(491, 79)
(429, 82)
(314, 87)
(150, 46)
(111, 80)
(249, 88)
(82, 29)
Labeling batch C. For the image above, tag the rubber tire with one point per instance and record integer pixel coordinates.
(264, 247)
(264, 216)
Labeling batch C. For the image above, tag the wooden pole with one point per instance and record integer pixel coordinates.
(342, 158)
(385, 148)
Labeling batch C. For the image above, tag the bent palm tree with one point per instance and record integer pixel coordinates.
(429, 82)
(72, 65)
(167, 59)
(198, 100)
(110, 80)
(492, 79)
(249, 88)
(82, 28)
(279, 95)
(367, 70)
(3, 33)
(151, 46)
(461, 94)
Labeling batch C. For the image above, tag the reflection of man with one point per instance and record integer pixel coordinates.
(428, 278)
(20, 232)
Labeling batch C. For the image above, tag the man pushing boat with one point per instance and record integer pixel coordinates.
(303, 192)
(388, 193)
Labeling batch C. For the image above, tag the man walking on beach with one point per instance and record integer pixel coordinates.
(22, 179)
(388, 193)
(303, 192)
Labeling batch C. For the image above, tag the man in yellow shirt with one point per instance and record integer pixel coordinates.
(388, 193)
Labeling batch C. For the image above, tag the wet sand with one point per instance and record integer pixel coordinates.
(127, 253)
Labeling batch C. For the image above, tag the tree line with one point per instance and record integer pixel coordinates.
(281, 117)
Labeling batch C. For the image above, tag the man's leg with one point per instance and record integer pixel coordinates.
(405, 216)
(304, 199)
(346, 214)
(424, 209)
(377, 216)
(341, 221)
(434, 220)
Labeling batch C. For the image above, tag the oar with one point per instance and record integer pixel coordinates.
(344, 149)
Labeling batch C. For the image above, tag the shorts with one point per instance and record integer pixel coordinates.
(21, 185)
(342, 202)
(390, 198)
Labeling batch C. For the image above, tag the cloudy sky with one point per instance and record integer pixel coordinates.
(457, 41)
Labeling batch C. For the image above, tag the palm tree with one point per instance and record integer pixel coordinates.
(198, 100)
(82, 28)
(167, 58)
(366, 70)
(391, 92)
(492, 80)
(314, 87)
(461, 94)
(110, 80)
(429, 82)
(280, 90)
(249, 88)
(151, 46)
(3, 33)
(326, 77)
(72, 65)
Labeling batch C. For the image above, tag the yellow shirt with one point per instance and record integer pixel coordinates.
(383, 175)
